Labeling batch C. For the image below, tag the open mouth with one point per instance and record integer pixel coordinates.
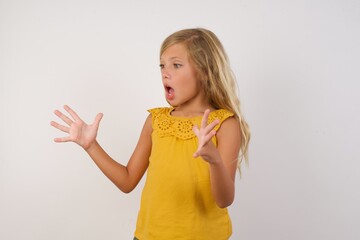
(169, 91)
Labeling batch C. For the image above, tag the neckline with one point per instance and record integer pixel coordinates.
(171, 109)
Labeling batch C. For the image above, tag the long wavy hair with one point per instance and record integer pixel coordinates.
(211, 62)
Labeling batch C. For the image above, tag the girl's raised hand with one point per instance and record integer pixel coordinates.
(206, 149)
(79, 132)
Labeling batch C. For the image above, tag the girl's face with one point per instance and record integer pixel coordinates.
(181, 85)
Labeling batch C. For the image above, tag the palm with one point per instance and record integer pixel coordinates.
(82, 133)
(79, 132)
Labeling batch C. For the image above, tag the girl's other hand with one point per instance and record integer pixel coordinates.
(206, 149)
(79, 132)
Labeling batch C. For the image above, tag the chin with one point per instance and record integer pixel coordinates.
(171, 104)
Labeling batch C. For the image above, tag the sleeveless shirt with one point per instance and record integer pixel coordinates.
(176, 201)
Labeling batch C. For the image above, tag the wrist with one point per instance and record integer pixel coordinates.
(217, 162)
(215, 159)
(91, 146)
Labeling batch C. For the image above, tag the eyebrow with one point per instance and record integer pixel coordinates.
(173, 58)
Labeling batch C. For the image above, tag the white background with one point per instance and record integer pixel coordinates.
(297, 65)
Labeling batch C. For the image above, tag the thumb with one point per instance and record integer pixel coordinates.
(98, 118)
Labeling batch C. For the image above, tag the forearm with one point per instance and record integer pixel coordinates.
(220, 157)
(116, 172)
(124, 177)
(222, 185)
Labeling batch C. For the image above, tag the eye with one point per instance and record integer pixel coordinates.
(177, 65)
(161, 66)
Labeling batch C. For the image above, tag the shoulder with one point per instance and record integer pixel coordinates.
(230, 124)
(147, 128)
(222, 115)
(229, 129)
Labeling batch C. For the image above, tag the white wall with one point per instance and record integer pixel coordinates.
(297, 64)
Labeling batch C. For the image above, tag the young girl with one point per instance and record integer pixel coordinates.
(190, 150)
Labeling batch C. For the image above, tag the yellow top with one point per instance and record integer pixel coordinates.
(176, 200)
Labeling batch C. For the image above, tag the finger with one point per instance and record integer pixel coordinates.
(209, 136)
(67, 120)
(205, 118)
(212, 125)
(196, 130)
(206, 138)
(59, 126)
(61, 140)
(98, 118)
(204, 141)
(72, 113)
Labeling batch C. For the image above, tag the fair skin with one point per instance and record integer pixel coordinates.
(183, 92)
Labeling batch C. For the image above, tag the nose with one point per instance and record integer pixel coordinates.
(165, 73)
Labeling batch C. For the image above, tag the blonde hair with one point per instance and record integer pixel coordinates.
(212, 64)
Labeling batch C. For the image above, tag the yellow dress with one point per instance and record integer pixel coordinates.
(176, 201)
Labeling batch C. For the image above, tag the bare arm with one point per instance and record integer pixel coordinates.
(222, 159)
(124, 177)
